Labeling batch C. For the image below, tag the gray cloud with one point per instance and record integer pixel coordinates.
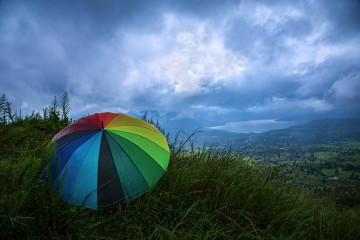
(196, 62)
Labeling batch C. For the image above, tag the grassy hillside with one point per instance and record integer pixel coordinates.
(206, 194)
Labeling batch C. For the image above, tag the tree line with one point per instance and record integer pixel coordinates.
(57, 111)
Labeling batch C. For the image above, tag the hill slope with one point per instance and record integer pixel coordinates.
(317, 131)
(324, 130)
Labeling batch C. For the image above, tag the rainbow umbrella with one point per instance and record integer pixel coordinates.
(106, 159)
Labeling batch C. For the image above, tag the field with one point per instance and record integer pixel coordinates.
(325, 169)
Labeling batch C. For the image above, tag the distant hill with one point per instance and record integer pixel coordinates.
(323, 130)
(219, 137)
(317, 131)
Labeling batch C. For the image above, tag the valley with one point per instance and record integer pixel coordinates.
(322, 156)
(325, 169)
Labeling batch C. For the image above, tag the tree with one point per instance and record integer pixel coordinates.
(3, 101)
(8, 110)
(45, 113)
(54, 113)
(156, 124)
(18, 117)
(65, 107)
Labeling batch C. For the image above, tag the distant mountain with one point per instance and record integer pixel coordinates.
(222, 137)
(323, 130)
(317, 131)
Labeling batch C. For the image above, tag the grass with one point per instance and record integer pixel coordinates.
(353, 144)
(207, 193)
(345, 174)
(329, 172)
(352, 163)
(325, 155)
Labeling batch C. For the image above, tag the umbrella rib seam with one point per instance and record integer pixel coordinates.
(109, 135)
(143, 151)
(141, 137)
(82, 165)
(90, 131)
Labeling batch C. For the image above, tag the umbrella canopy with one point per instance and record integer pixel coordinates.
(107, 158)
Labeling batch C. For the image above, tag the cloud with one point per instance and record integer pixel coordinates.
(209, 61)
(216, 109)
(164, 68)
(283, 104)
(347, 87)
(196, 111)
(196, 60)
(317, 105)
(255, 126)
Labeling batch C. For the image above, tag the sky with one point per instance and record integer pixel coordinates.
(240, 66)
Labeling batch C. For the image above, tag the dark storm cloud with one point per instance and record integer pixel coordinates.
(345, 19)
(98, 18)
(49, 46)
(206, 63)
(301, 72)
